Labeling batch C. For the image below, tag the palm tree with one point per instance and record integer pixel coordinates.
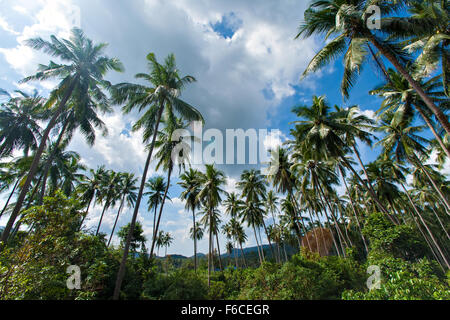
(156, 187)
(253, 213)
(399, 97)
(82, 76)
(233, 205)
(426, 30)
(196, 233)
(108, 193)
(19, 127)
(190, 183)
(89, 188)
(271, 205)
(83, 115)
(127, 188)
(253, 188)
(210, 196)
(402, 142)
(320, 137)
(346, 20)
(162, 95)
(167, 146)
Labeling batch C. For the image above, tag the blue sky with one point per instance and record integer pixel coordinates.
(242, 53)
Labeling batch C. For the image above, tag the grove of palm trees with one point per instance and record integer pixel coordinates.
(311, 229)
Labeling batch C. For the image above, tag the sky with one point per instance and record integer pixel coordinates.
(242, 53)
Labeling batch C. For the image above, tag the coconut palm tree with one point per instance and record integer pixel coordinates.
(425, 31)
(253, 188)
(127, 188)
(210, 196)
(196, 233)
(168, 157)
(400, 98)
(89, 188)
(108, 193)
(83, 74)
(191, 188)
(156, 187)
(319, 137)
(83, 115)
(233, 205)
(161, 96)
(271, 205)
(402, 142)
(19, 127)
(346, 20)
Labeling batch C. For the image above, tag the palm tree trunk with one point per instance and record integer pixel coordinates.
(121, 273)
(235, 257)
(372, 194)
(426, 227)
(327, 201)
(101, 217)
(440, 222)
(10, 196)
(161, 207)
(354, 210)
(297, 207)
(433, 183)
(195, 240)
(268, 238)
(50, 160)
(87, 211)
(154, 220)
(218, 250)
(117, 219)
(442, 118)
(35, 164)
(243, 256)
(210, 254)
(430, 125)
(257, 245)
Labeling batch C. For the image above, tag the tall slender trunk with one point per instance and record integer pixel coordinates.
(195, 240)
(433, 183)
(426, 227)
(257, 245)
(433, 130)
(355, 151)
(301, 219)
(101, 217)
(354, 210)
(278, 245)
(87, 211)
(243, 256)
(121, 272)
(440, 222)
(161, 207)
(35, 163)
(50, 160)
(10, 196)
(372, 194)
(218, 251)
(442, 118)
(338, 229)
(268, 238)
(235, 256)
(117, 219)
(210, 254)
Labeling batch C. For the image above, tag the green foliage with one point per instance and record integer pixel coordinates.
(403, 241)
(179, 285)
(303, 279)
(36, 268)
